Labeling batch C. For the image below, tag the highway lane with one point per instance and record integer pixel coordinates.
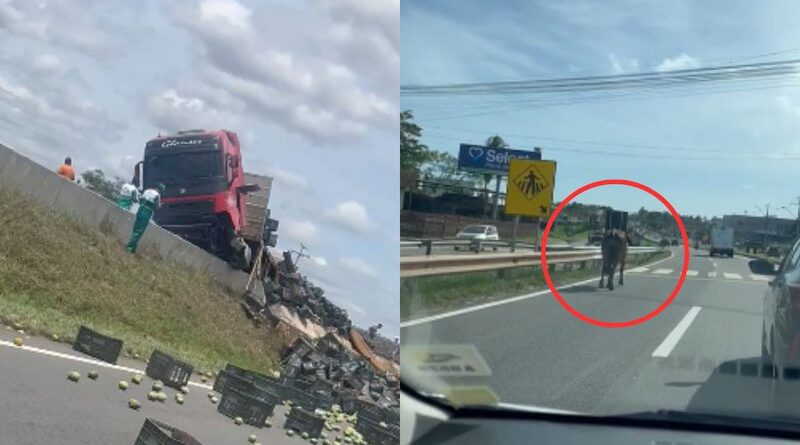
(41, 406)
(540, 355)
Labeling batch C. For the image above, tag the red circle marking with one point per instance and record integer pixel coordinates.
(664, 304)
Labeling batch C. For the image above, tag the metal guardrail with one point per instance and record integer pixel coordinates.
(452, 264)
(478, 245)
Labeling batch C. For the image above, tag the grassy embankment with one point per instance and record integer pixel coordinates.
(431, 295)
(56, 274)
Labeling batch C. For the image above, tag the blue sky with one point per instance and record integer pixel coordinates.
(316, 109)
(716, 153)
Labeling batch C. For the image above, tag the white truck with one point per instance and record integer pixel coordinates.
(721, 242)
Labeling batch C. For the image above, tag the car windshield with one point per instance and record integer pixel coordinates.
(638, 158)
(474, 229)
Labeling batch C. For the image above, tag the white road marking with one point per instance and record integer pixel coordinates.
(479, 307)
(666, 346)
(760, 277)
(639, 269)
(712, 275)
(76, 358)
(662, 271)
(691, 273)
(732, 275)
(714, 263)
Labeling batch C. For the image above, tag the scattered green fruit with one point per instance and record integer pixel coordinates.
(185, 389)
(74, 376)
(304, 435)
(161, 396)
(238, 421)
(290, 433)
(17, 341)
(252, 438)
(179, 399)
(268, 423)
(214, 400)
(123, 385)
(210, 394)
(158, 386)
(93, 375)
(203, 379)
(152, 396)
(136, 355)
(134, 404)
(137, 379)
(55, 337)
(313, 441)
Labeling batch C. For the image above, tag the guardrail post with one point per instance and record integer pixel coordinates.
(428, 246)
(476, 245)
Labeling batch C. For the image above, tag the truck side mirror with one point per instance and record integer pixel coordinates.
(137, 175)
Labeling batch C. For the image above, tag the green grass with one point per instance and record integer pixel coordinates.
(56, 274)
(431, 295)
(568, 236)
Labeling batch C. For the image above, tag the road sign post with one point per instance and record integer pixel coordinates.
(514, 235)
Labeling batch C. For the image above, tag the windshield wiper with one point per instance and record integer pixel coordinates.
(770, 423)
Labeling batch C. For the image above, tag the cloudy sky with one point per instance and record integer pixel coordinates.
(311, 86)
(709, 154)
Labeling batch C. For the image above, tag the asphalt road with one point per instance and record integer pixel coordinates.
(40, 406)
(696, 355)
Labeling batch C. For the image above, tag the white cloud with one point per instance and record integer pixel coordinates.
(300, 231)
(351, 215)
(170, 111)
(681, 62)
(46, 64)
(288, 179)
(319, 261)
(621, 66)
(311, 89)
(358, 265)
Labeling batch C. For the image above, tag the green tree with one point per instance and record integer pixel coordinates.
(412, 153)
(97, 182)
(442, 168)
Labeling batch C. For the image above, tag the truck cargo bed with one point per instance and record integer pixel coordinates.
(257, 204)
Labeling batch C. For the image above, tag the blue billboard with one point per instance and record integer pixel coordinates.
(482, 159)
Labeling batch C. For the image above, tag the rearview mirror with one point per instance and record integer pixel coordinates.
(762, 267)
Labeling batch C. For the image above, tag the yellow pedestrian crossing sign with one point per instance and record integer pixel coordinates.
(529, 191)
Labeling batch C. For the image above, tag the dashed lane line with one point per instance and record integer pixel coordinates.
(672, 339)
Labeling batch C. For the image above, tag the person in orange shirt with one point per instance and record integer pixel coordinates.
(66, 170)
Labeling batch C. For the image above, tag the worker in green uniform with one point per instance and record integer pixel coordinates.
(148, 203)
(128, 195)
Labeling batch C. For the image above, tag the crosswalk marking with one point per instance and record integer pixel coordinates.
(697, 273)
(662, 271)
(760, 277)
(732, 275)
(691, 273)
(712, 275)
(639, 269)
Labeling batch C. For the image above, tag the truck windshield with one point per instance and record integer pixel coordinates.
(182, 167)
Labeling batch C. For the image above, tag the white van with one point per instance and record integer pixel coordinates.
(479, 232)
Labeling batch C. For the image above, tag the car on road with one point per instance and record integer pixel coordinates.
(479, 232)
(780, 332)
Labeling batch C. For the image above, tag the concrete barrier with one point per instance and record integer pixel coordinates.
(46, 187)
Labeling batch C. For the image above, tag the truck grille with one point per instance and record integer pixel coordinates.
(183, 212)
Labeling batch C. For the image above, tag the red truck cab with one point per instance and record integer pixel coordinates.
(205, 196)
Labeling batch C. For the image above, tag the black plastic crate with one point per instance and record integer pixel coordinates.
(174, 373)
(253, 410)
(299, 397)
(154, 432)
(304, 421)
(302, 383)
(375, 434)
(348, 404)
(97, 345)
(370, 411)
(271, 384)
(323, 400)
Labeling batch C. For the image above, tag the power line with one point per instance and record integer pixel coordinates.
(724, 73)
